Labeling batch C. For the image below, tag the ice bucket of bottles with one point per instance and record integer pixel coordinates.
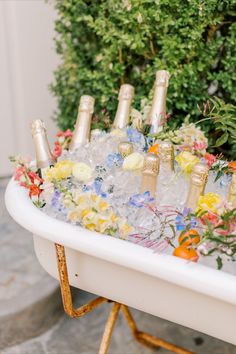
(133, 224)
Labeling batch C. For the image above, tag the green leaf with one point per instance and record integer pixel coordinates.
(222, 140)
(219, 262)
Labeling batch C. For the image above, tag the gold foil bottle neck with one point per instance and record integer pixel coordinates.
(125, 149)
(44, 156)
(162, 78)
(149, 174)
(151, 164)
(232, 191)
(198, 181)
(125, 97)
(166, 154)
(81, 134)
(157, 114)
(199, 175)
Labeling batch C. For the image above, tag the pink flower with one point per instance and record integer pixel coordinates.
(210, 159)
(199, 145)
(34, 178)
(57, 149)
(19, 173)
(60, 133)
(229, 229)
(210, 217)
(68, 133)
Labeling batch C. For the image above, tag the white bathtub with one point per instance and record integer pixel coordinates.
(187, 293)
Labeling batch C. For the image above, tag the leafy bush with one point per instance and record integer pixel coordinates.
(103, 44)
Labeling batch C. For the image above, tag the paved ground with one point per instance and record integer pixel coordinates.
(30, 306)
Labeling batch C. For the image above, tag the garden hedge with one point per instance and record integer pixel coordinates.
(103, 44)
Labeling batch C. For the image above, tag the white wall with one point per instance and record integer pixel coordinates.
(27, 61)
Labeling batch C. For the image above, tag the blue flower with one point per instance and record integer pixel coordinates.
(140, 200)
(114, 159)
(180, 220)
(134, 136)
(96, 187)
(55, 199)
(56, 203)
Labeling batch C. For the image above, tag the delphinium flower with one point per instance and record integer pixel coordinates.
(114, 159)
(141, 200)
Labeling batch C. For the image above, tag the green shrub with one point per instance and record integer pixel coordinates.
(103, 44)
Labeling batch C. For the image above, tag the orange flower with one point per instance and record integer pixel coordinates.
(210, 159)
(34, 190)
(153, 149)
(232, 166)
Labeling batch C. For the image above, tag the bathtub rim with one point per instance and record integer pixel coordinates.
(197, 277)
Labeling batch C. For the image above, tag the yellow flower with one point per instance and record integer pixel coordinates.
(61, 170)
(186, 161)
(118, 133)
(124, 229)
(82, 172)
(209, 202)
(133, 162)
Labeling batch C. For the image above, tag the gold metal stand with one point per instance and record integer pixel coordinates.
(144, 338)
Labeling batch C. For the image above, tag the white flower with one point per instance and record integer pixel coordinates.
(82, 172)
(133, 162)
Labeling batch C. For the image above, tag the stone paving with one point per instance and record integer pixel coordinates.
(32, 320)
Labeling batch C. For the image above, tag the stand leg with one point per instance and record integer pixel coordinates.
(109, 328)
(142, 337)
(65, 288)
(148, 339)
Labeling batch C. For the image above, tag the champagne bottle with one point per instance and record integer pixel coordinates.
(198, 181)
(232, 191)
(157, 114)
(125, 97)
(149, 174)
(125, 149)
(166, 155)
(44, 156)
(81, 135)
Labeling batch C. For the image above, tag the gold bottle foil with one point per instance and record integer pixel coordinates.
(157, 114)
(198, 181)
(44, 156)
(125, 148)
(125, 97)
(166, 155)
(149, 174)
(232, 191)
(81, 133)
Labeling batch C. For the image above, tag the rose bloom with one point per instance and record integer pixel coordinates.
(211, 217)
(82, 172)
(210, 159)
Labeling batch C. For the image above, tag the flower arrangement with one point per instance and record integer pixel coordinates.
(91, 194)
